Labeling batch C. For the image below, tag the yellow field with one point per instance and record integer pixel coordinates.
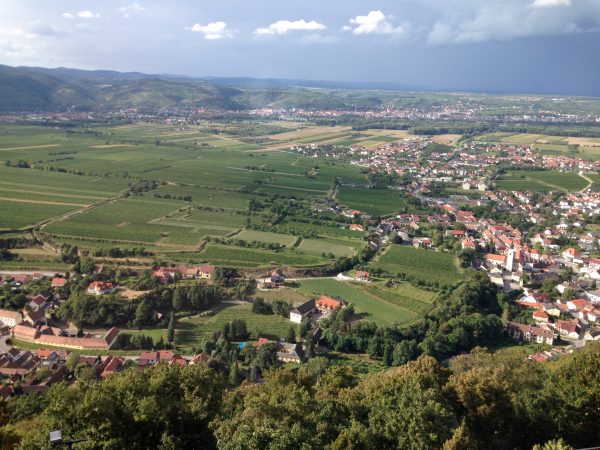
(446, 139)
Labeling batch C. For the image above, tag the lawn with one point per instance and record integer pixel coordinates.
(191, 331)
(371, 307)
(425, 265)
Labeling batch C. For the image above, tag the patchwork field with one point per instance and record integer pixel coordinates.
(424, 265)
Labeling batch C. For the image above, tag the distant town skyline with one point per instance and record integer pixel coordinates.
(521, 46)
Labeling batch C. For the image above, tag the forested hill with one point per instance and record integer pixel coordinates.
(39, 89)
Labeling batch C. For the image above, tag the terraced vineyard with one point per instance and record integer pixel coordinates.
(423, 265)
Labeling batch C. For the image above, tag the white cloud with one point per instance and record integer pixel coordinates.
(214, 30)
(67, 15)
(282, 27)
(133, 7)
(375, 22)
(88, 15)
(550, 3)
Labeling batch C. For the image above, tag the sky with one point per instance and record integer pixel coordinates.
(521, 46)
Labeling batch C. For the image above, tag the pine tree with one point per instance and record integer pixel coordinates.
(171, 329)
(234, 374)
(291, 336)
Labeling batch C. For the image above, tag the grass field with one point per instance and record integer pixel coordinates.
(191, 331)
(372, 307)
(540, 180)
(425, 265)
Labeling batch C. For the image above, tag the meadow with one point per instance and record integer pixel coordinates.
(424, 265)
(190, 331)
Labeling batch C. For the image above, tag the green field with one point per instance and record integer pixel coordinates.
(376, 202)
(269, 238)
(540, 180)
(191, 331)
(338, 247)
(227, 255)
(371, 307)
(424, 265)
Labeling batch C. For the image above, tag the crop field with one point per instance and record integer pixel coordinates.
(337, 247)
(425, 265)
(405, 296)
(191, 331)
(214, 198)
(125, 220)
(267, 237)
(372, 308)
(16, 214)
(541, 180)
(227, 255)
(372, 201)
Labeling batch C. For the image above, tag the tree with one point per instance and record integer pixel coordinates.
(143, 314)
(387, 355)
(291, 336)
(171, 328)
(234, 374)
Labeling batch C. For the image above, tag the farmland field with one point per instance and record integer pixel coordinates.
(541, 180)
(425, 265)
(270, 238)
(191, 331)
(337, 247)
(372, 201)
(372, 307)
(227, 255)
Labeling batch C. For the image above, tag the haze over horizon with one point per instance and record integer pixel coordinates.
(520, 46)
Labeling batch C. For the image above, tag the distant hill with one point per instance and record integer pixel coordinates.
(41, 89)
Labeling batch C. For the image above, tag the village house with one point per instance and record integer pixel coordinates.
(568, 328)
(10, 318)
(101, 288)
(302, 311)
(289, 352)
(362, 276)
(530, 333)
(58, 282)
(325, 303)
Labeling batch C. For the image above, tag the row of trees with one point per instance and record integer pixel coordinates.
(481, 400)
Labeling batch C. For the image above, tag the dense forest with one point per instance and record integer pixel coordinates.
(481, 400)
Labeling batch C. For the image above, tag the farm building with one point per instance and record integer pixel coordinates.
(302, 311)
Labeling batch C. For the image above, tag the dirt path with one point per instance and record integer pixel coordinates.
(28, 148)
(586, 178)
